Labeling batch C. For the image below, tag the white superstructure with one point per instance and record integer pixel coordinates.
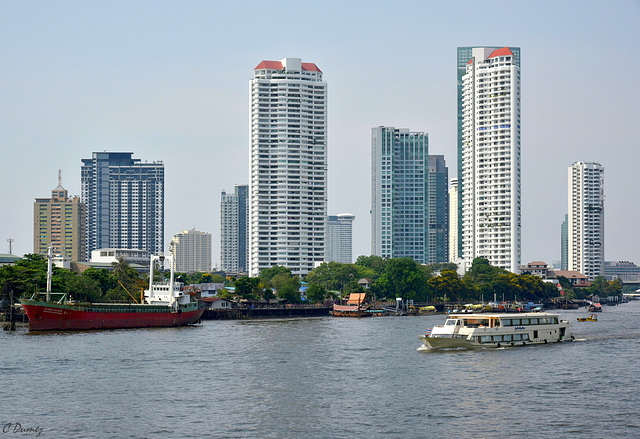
(490, 156)
(288, 183)
(586, 219)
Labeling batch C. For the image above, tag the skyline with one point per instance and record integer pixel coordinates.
(170, 82)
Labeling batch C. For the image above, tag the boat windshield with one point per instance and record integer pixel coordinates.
(475, 323)
(451, 322)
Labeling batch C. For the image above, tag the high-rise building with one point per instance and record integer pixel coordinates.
(437, 211)
(59, 223)
(564, 244)
(191, 251)
(339, 238)
(453, 220)
(125, 202)
(586, 219)
(489, 155)
(288, 187)
(399, 194)
(234, 212)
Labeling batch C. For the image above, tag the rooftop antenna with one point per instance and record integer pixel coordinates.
(10, 241)
(59, 180)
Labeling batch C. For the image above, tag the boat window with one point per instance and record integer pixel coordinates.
(485, 338)
(497, 338)
(554, 320)
(507, 337)
(515, 322)
(525, 337)
(451, 322)
(517, 337)
(525, 321)
(506, 322)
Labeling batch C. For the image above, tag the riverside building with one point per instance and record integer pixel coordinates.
(586, 219)
(453, 220)
(59, 223)
(399, 194)
(437, 210)
(125, 202)
(234, 220)
(340, 238)
(489, 155)
(288, 182)
(191, 251)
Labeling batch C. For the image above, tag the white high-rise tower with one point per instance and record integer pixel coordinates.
(490, 157)
(586, 219)
(288, 183)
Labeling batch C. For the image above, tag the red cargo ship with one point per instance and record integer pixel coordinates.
(165, 304)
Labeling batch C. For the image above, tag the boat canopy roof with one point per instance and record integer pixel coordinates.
(486, 315)
(356, 298)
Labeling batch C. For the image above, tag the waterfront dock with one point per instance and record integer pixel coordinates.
(266, 312)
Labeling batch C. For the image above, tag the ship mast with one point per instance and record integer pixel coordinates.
(49, 271)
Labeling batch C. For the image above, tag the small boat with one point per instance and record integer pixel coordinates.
(595, 307)
(164, 304)
(591, 318)
(494, 330)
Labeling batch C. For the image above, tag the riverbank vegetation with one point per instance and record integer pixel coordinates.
(384, 279)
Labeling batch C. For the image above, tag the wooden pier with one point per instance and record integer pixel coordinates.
(265, 313)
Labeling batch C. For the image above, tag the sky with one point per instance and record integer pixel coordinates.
(169, 80)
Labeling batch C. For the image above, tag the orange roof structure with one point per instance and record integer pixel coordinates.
(277, 65)
(505, 51)
(356, 298)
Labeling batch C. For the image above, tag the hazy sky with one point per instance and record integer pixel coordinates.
(170, 81)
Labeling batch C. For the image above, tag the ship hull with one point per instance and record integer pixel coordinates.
(44, 316)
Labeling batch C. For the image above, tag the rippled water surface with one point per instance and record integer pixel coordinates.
(320, 378)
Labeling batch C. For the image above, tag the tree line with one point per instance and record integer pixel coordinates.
(388, 279)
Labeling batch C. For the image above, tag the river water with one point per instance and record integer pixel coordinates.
(319, 378)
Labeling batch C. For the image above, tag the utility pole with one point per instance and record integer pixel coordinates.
(10, 241)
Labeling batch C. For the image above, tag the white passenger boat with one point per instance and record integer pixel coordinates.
(486, 330)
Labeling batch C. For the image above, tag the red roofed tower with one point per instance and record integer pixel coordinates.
(288, 182)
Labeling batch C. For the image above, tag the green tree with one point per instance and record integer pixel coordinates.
(268, 294)
(83, 288)
(614, 288)
(403, 278)
(248, 287)
(316, 293)
(290, 290)
(268, 274)
(449, 285)
(205, 278)
(333, 275)
(375, 264)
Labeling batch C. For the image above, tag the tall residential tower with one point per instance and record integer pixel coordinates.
(489, 155)
(191, 251)
(234, 221)
(437, 210)
(288, 186)
(59, 223)
(586, 219)
(340, 238)
(125, 202)
(399, 193)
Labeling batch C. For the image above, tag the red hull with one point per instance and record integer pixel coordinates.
(48, 318)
